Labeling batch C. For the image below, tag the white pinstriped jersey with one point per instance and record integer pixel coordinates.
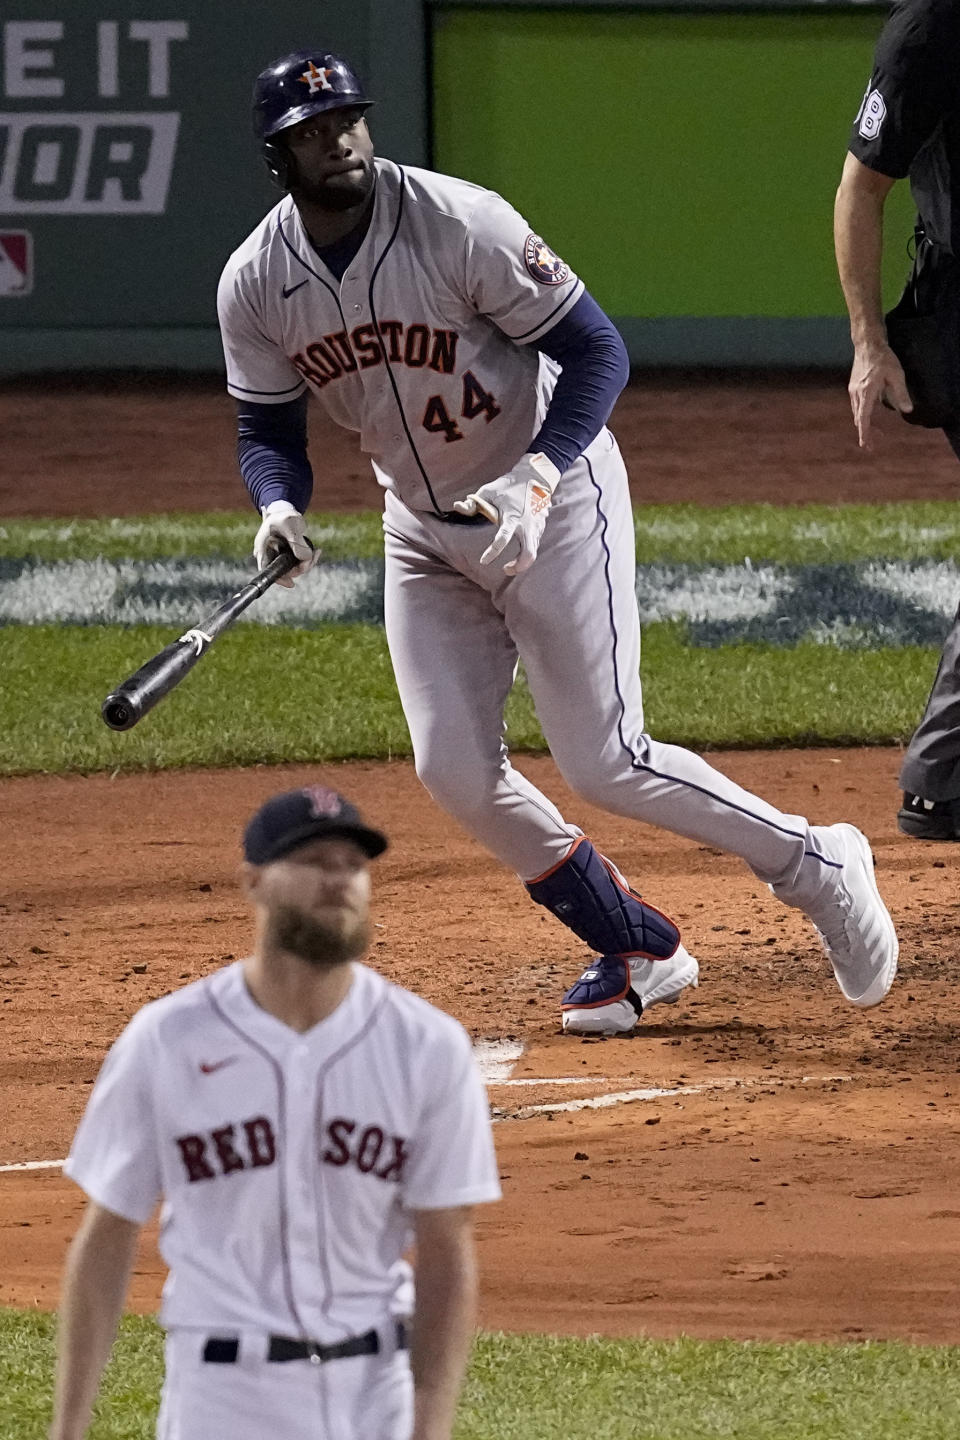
(424, 347)
(288, 1163)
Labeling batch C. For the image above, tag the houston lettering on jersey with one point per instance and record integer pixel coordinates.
(413, 346)
(426, 345)
(416, 346)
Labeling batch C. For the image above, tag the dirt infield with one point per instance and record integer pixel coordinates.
(802, 1183)
(800, 1176)
(130, 446)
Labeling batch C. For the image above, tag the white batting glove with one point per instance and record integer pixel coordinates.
(519, 503)
(281, 522)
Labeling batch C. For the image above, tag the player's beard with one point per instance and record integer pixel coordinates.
(320, 944)
(337, 193)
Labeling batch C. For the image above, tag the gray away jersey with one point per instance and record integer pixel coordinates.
(424, 347)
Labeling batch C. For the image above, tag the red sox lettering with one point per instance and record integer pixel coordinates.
(252, 1144)
(370, 1149)
(246, 1145)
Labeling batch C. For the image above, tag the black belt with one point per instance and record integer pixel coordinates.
(453, 517)
(280, 1348)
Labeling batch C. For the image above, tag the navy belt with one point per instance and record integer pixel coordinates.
(226, 1351)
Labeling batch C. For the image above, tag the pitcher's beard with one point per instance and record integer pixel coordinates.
(323, 946)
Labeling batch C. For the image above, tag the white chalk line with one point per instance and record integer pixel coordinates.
(626, 1097)
(496, 1059)
(33, 1165)
(615, 1097)
(556, 1107)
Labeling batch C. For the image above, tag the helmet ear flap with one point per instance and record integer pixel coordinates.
(279, 163)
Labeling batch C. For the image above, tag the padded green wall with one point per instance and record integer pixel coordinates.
(685, 164)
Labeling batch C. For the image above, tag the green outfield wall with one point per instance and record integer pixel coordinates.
(683, 160)
(684, 163)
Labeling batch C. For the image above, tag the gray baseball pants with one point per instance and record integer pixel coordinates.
(931, 766)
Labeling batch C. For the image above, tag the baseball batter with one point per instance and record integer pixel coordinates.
(424, 313)
(302, 1120)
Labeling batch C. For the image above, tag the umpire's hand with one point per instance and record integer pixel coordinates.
(876, 375)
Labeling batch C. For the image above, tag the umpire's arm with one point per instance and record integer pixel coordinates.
(445, 1316)
(94, 1287)
(858, 239)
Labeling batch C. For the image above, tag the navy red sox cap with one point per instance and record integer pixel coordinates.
(303, 84)
(291, 819)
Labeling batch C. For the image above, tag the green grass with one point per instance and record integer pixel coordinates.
(690, 534)
(157, 537)
(267, 696)
(544, 1388)
(259, 697)
(537, 1388)
(272, 696)
(129, 1396)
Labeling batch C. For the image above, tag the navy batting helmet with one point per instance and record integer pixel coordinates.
(294, 88)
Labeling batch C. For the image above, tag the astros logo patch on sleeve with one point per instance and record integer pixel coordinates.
(542, 264)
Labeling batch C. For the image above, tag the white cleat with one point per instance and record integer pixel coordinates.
(611, 995)
(854, 925)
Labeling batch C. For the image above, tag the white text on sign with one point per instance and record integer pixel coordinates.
(58, 163)
(41, 57)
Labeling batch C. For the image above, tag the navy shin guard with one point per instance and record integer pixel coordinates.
(588, 895)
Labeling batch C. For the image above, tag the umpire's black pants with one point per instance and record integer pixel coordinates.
(931, 766)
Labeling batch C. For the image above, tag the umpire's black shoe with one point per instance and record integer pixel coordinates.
(929, 819)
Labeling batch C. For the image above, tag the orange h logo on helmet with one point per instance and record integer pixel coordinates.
(315, 79)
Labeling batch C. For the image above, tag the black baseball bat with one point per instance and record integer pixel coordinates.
(130, 701)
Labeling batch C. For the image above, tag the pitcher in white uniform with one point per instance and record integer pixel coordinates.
(425, 314)
(302, 1121)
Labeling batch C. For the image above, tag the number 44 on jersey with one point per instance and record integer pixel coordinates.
(476, 401)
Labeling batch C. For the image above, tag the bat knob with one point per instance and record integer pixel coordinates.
(119, 713)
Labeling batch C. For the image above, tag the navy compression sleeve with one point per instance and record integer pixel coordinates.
(272, 451)
(595, 369)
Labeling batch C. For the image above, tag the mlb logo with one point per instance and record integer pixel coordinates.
(16, 262)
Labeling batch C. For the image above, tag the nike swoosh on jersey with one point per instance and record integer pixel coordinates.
(207, 1069)
(289, 290)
